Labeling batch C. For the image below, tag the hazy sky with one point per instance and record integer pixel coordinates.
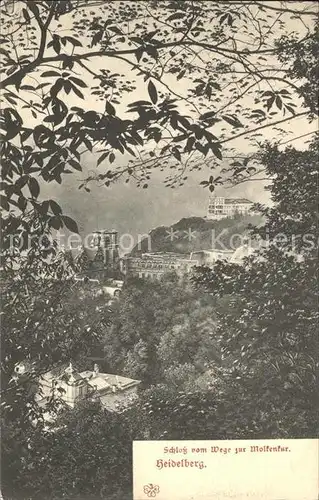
(134, 210)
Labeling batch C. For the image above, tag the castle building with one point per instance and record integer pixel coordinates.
(99, 261)
(242, 252)
(155, 265)
(220, 208)
(209, 257)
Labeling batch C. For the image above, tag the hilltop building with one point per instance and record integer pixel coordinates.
(220, 208)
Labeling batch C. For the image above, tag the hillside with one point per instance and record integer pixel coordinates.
(196, 233)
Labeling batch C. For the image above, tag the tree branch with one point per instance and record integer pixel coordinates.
(285, 10)
(304, 113)
(18, 75)
(43, 27)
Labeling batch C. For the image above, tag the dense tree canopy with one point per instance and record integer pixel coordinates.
(81, 459)
(47, 318)
(270, 329)
(162, 331)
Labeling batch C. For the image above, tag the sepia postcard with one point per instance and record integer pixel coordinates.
(159, 250)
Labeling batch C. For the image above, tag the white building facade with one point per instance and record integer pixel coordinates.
(113, 391)
(220, 208)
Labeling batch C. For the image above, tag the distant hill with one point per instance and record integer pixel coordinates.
(196, 233)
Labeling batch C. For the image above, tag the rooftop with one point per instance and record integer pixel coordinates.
(230, 201)
(104, 381)
(159, 256)
(65, 372)
(213, 250)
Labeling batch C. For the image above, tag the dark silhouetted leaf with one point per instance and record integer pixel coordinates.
(55, 207)
(102, 158)
(26, 15)
(174, 17)
(75, 164)
(56, 222)
(78, 82)
(216, 150)
(232, 120)
(70, 224)
(109, 108)
(152, 92)
(50, 73)
(74, 41)
(34, 187)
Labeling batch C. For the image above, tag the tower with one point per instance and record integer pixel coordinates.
(107, 256)
(74, 386)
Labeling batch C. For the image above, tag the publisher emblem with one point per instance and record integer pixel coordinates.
(151, 490)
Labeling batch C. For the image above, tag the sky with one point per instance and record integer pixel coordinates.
(133, 210)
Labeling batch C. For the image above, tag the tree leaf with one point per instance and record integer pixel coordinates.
(75, 164)
(152, 92)
(181, 74)
(139, 53)
(109, 108)
(174, 17)
(208, 115)
(97, 38)
(34, 187)
(78, 82)
(50, 73)
(22, 203)
(115, 29)
(55, 207)
(55, 222)
(232, 120)
(56, 44)
(26, 16)
(278, 102)
(70, 224)
(216, 150)
(74, 41)
(102, 158)
(76, 91)
(4, 202)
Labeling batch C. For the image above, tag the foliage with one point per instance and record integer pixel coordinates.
(270, 330)
(47, 318)
(87, 456)
(303, 58)
(292, 223)
(161, 325)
